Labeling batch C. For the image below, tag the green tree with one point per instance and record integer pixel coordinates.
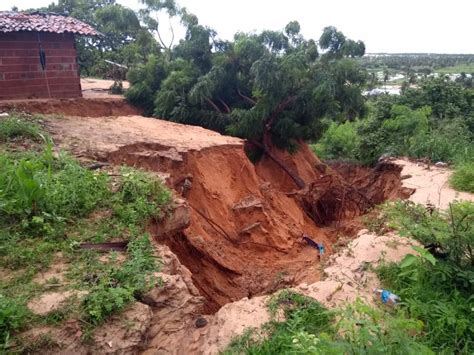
(124, 39)
(270, 88)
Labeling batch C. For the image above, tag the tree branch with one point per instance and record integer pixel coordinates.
(213, 105)
(298, 181)
(246, 98)
(227, 108)
(172, 33)
(279, 109)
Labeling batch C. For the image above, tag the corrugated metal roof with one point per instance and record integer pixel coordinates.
(11, 21)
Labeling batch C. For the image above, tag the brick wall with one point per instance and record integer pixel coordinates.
(21, 74)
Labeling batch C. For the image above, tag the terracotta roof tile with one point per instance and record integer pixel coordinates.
(11, 21)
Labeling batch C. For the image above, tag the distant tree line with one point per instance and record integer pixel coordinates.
(420, 62)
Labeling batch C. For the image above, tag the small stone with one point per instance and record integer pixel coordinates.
(200, 322)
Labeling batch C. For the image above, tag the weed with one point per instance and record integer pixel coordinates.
(463, 177)
(46, 202)
(309, 328)
(17, 125)
(140, 197)
(437, 287)
(116, 287)
(13, 316)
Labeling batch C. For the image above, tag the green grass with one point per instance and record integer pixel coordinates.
(49, 204)
(436, 290)
(310, 328)
(466, 68)
(462, 178)
(23, 126)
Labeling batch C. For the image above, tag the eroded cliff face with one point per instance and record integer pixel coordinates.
(238, 231)
(247, 221)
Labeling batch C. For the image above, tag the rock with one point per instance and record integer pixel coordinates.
(441, 164)
(53, 301)
(123, 333)
(303, 286)
(405, 177)
(175, 222)
(248, 202)
(200, 322)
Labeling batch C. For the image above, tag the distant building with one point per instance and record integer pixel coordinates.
(38, 56)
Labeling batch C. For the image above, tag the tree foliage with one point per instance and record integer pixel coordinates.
(271, 88)
(125, 40)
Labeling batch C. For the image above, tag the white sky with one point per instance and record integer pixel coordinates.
(391, 26)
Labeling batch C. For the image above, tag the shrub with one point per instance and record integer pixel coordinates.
(338, 142)
(438, 290)
(463, 177)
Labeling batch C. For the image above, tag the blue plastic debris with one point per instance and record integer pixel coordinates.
(387, 297)
(318, 246)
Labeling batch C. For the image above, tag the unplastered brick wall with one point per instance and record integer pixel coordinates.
(21, 73)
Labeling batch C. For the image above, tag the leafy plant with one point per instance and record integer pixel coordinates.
(339, 142)
(118, 286)
(437, 285)
(140, 196)
(463, 177)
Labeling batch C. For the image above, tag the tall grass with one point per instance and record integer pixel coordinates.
(47, 203)
(438, 291)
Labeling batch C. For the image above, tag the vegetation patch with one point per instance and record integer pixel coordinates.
(437, 286)
(433, 121)
(463, 177)
(310, 328)
(49, 205)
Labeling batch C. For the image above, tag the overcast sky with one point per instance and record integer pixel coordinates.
(439, 26)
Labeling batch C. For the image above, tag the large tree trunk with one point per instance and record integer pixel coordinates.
(267, 142)
(265, 146)
(298, 181)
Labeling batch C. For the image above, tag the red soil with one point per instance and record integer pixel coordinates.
(247, 221)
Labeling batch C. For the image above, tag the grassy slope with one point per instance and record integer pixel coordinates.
(48, 206)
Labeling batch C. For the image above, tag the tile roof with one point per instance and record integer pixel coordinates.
(11, 21)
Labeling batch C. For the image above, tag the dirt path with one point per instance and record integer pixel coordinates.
(99, 88)
(431, 184)
(100, 136)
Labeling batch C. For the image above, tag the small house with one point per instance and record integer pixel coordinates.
(38, 57)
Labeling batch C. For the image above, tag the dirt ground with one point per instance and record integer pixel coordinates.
(93, 88)
(245, 235)
(96, 102)
(431, 184)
